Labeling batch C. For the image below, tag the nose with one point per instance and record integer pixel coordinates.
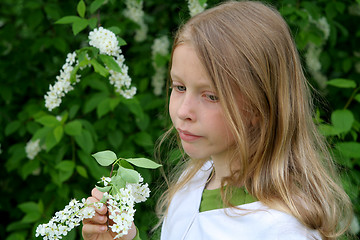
(187, 108)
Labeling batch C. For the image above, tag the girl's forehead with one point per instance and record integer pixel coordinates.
(186, 66)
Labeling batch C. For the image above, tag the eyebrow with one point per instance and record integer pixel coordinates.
(198, 85)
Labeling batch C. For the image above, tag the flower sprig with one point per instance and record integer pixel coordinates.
(122, 189)
(104, 55)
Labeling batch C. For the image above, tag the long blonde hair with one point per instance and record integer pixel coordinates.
(247, 49)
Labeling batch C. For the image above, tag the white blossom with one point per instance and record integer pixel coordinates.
(62, 85)
(312, 58)
(32, 148)
(195, 7)
(134, 11)
(65, 220)
(105, 41)
(354, 227)
(121, 80)
(105, 180)
(120, 207)
(160, 47)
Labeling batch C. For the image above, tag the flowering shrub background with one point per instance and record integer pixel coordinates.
(46, 155)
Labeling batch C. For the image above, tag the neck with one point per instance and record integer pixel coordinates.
(221, 170)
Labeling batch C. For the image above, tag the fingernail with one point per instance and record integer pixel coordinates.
(103, 228)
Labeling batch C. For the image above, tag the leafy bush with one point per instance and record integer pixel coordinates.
(36, 37)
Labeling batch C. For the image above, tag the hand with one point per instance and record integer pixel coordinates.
(96, 228)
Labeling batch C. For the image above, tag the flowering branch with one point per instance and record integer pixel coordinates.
(104, 55)
(121, 191)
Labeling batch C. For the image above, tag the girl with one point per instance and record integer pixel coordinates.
(257, 168)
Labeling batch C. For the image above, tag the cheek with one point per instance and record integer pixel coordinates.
(172, 108)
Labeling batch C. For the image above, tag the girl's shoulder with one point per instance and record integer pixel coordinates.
(257, 221)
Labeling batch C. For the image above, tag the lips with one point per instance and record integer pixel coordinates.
(187, 136)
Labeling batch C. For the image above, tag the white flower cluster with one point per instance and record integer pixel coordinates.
(312, 56)
(66, 219)
(354, 227)
(107, 43)
(121, 206)
(159, 47)
(195, 7)
(134, 11)
(121, 80)
(32, 149)
(63, 84)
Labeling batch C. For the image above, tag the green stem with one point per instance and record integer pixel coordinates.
(351, 97)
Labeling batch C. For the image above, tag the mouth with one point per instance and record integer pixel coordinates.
(187, 136)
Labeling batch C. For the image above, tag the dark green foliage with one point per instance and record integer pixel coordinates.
(33, 47)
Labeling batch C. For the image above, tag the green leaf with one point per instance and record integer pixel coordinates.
(95, 5)
(95, 170)
(118, 182)
(50, 141)
(103, 189)
(85, 141)
(81, 8)
(349, 149)
(115, 138)
(65, 166)
(19, 235)
(58, 133)
(328, 130)
(342, 120)
(66, 170)
(342, 83)
(103, 107)
(129, 175)
(79, 25)
(67, 20)
(31, 210)
(29, 167)
(105, 158)
(41, 133)
(75, 70)
(99, 68)
(143, 163)
(93, 102)
(12, 127)
(121, 41)
(48, 120)
(92, 22)
(110, 62)
(73, 128)
(29, 207)
(82, 171)
(357, 97)
(143, 139)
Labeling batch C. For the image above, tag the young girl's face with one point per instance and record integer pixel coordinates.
(195, 109)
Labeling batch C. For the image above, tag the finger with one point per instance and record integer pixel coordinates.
(97, 219)
(101, 210)
(91, 229)
(97, 194)
(131, 234)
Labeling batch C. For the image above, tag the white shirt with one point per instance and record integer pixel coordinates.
(185, 222)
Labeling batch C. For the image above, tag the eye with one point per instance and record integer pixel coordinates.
(212, 97)
(178, 87)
